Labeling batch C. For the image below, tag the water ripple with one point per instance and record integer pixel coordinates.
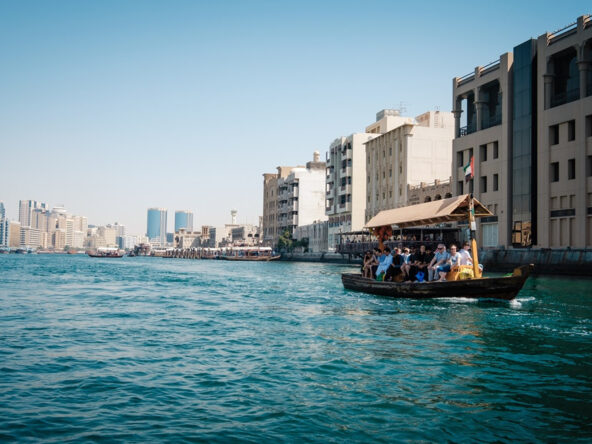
(149, 349)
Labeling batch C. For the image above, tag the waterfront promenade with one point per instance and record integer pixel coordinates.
(155, 349)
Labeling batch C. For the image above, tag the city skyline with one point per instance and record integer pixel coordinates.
(113, 132)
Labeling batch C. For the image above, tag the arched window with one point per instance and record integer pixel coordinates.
(428, 199)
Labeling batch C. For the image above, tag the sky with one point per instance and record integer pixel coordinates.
(112, 107)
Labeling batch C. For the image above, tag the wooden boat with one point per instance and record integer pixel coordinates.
(446, 210)
(106, 252)
(505, 288)
(251, 258)
(252, 254)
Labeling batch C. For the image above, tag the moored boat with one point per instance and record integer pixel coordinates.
(106, 252)
(447, 210)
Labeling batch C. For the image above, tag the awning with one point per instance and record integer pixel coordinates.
(439, 211)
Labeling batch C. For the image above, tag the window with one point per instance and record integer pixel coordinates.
(495, 150)
(490, 235)
(390, 150)
(471, 186)
(495, 182)
(483, 153)
(571, 169)
(368, 179)
(588, 166)
(554, 134)
(571, 130)
(459, 159)
(391, 172)
(483, 184)
(554, 172)
(589, 126)
(349, 180)
(343, 181)
(459, 188)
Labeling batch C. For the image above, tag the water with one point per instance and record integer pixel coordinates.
(147, 349)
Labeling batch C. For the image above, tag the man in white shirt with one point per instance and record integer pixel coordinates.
(465, 255)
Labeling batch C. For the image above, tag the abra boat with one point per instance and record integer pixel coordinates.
(106, 252)
(447, 210)
(252, 254)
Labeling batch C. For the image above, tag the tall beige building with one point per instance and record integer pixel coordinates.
(526, 119)
(483, 130)
(269, 229)
(415, 151)
(346, 185)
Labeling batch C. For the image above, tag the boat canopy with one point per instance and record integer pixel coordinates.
(446, 210)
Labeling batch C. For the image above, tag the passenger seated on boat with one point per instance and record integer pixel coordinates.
(395, 269)
(440, 258)
(369, 261)
(452, 261)
(384, 264)
(406, 266)
(376, 262)
(419, 262)
(465, 255)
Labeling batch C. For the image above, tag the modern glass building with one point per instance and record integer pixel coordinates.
(524, 143)
(183, 219)
(157, 224)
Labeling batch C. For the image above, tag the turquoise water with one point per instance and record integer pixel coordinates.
(148, 349)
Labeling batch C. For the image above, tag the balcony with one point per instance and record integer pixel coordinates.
(565, 97)
(466, 130)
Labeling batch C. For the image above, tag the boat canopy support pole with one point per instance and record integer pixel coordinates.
(473, 229)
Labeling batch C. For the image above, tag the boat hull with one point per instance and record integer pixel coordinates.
(504, 288)
(105, 256)
(251, 258)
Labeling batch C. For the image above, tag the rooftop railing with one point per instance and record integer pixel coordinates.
(566, 31)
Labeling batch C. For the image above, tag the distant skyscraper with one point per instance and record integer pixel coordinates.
(4, 227)
(183, 219)
(26, 208)
(2, 211)
(157, 224)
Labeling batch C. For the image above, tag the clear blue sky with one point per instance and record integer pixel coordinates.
(110, 107)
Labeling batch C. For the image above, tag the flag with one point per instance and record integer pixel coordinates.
(469, 170)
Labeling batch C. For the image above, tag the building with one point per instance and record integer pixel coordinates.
(417, 150)
(183, 219)
(14, 234)
(269, 227)
(301, 196)
(26, 208)
(58, 239)
(346, 183)
(526, 120)
(2, 211)
(157, 225)
(316, 234)
(245, 235)
(109, 233)
(428, 192)
(4, 231)
(186, 239)
(30, 237)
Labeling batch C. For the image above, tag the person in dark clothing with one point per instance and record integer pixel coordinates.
(419, 261)
(395, 269)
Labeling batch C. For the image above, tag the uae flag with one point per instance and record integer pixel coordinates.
(469, 170)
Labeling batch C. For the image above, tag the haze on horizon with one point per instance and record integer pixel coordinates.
(110, 108)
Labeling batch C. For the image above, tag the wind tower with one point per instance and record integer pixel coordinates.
(233, 214)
